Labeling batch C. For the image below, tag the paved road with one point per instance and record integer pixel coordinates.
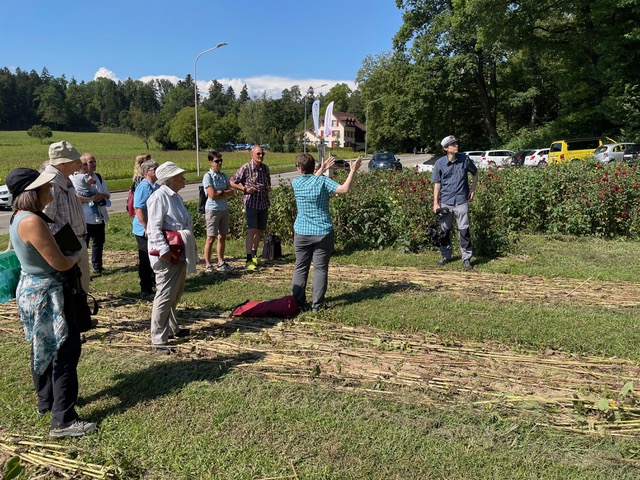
(190, 192)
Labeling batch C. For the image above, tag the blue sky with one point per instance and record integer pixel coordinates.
(272, 44)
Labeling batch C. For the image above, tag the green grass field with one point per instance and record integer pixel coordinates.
(415, 372)
(116, 154)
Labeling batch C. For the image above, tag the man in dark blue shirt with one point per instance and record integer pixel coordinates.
(451, 191)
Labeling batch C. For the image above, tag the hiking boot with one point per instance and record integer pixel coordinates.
(78, 428)
(224, 267)
(209, 269)
(443, 261)
(466, 264)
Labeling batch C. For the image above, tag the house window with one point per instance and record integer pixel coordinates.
(335, 133)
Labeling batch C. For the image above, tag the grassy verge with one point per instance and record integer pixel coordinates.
(116, 153)
(197, 416)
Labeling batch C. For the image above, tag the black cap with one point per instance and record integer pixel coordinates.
(22, 179)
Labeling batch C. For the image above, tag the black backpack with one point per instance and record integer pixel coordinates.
(202, 197)
(272, 247)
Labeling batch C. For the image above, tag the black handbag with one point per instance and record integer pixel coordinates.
(272, 248)
(77, 301)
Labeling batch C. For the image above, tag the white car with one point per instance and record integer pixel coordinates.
(5, 197)
(475, 156)
(611, 152)
(496, 158)
(539, 158)
(427, 165)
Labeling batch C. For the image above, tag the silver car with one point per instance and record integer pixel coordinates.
(5, 197)
(611, 152)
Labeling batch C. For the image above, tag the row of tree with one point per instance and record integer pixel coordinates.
(159, 109)
(515, 73)
(493, 72)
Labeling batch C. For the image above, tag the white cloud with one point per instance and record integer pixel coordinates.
(273, 86)
(106, 73)
(256, 86)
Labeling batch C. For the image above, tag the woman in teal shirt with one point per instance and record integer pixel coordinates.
(314, 237)
(48, 325)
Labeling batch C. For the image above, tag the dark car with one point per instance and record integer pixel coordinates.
(341, 164)
(632, 153)
(517, 159)
(384, 161)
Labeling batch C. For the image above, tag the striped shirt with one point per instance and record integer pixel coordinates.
(250, 176)
(312, 198)
(65, 206)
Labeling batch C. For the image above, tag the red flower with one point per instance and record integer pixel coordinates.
(598, 165)
(588, 204)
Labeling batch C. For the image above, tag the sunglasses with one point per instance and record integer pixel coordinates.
(260, 154)
(217, 161)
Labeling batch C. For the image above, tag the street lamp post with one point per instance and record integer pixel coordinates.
(304, 136)
(195, 94)
(366, 126)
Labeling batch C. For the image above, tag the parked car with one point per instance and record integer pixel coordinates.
(575, 148)
(517, 159)
(495, 158)
(5, 197)
(611, 152)
(475, 156)
(384, 161)
(427, 165)
(539, 158)
(341, 164)
(632, 153)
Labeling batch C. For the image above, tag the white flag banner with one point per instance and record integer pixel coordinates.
(315, 113)
(327, 120)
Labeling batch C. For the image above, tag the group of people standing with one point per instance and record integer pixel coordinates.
(68, 193)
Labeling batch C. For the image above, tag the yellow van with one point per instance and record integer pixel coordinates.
(575, 148)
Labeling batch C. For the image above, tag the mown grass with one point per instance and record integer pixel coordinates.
(116, 154)
(190, 418)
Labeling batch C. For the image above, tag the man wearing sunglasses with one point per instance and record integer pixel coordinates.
(452, 194)
(254, 180)
(216, 212)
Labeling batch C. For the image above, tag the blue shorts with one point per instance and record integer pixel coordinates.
(256, 219)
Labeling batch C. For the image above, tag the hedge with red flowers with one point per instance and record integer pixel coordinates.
(393, 209)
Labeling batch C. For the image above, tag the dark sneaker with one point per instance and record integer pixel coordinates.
(466, 264)
(183, 332)
(78, 428)
(147, 295)
(443, 261)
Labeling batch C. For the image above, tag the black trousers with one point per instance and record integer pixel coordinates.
(96, 233)
(57, 387)
(145, 272)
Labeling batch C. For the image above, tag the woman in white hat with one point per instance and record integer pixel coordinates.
(166, 214)
(49, 323)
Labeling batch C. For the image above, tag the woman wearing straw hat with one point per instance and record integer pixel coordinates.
(49, 322)
(167, 213)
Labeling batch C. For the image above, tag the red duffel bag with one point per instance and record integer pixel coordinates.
(279, 307)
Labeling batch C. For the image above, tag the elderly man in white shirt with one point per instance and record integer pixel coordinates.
(166, 214)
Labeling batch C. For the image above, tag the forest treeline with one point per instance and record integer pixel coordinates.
(494, 73)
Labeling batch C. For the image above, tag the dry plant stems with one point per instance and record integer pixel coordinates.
(54, 457)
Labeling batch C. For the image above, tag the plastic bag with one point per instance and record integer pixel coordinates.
(9, 275)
